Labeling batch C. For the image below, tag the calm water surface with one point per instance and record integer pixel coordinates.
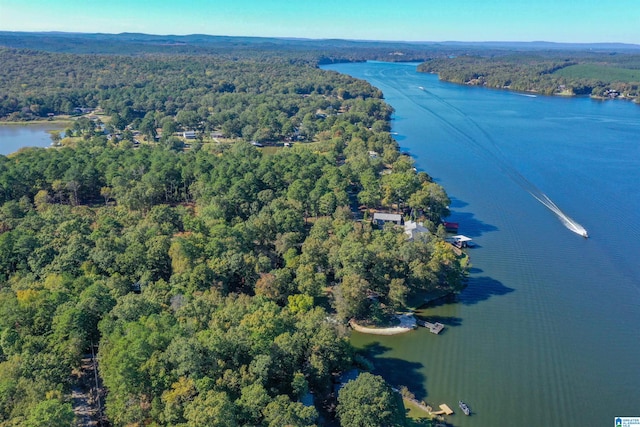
(547, 332)
(14, 137)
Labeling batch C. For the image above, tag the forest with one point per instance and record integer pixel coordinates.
(600, 75)
(214, 280)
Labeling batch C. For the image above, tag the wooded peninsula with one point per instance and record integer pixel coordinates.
(203, 225)
(612, 76)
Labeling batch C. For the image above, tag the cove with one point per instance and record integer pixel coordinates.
(546, 333)
(15, 136)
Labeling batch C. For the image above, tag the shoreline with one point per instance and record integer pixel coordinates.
(407, 323)
(36, 122)
(537, 93)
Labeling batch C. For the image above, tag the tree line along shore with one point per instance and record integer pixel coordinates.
(552, 73)
(216, 277)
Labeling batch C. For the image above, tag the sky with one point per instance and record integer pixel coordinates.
(576, 21)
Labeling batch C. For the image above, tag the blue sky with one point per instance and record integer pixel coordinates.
(411, 20)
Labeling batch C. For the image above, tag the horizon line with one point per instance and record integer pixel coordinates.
(328, 38)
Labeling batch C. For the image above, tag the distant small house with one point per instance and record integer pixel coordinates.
(189, 134)
(415, 230)
(217, 134)
(381, 218)
(256, 144)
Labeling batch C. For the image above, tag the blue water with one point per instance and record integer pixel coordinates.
(14, 137)
(547, 332)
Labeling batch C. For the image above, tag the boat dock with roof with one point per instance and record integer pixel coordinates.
(460, 241)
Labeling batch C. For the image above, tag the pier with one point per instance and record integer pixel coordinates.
(434, 328)
(444, 410)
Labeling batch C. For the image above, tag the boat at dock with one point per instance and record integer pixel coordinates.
(465, 408)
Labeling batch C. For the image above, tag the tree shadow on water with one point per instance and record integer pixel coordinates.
(470, 225)
(481, 289)
(397, 372)
(457, 203)
(478, 289)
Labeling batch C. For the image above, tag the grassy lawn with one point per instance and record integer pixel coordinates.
(604, 73)
(414, 414)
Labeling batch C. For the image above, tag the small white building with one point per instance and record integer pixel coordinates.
(381, 218)
(415, 230)
(189, 134)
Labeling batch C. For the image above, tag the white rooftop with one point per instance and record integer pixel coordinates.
(387, 216)
(412, 229)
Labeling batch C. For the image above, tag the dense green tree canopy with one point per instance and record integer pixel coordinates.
(217, 279)
(368, 401)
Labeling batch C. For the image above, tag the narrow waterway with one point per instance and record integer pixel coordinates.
(546, 333)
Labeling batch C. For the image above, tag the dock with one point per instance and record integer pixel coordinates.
(444, 410)
(434, 328)
(461, 241)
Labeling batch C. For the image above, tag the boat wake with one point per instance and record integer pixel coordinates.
(497, 157)
(566, 220)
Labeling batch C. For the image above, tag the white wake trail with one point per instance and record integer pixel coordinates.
(566, 220)
(498, 157)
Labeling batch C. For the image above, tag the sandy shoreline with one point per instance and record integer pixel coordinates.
(407, 323)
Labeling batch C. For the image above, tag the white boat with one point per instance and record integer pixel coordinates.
(465, 408)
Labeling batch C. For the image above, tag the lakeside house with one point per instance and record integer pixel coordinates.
(381, 218)
(415, 230)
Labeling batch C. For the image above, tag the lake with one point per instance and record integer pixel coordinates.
(547, 331)
(13, 137)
